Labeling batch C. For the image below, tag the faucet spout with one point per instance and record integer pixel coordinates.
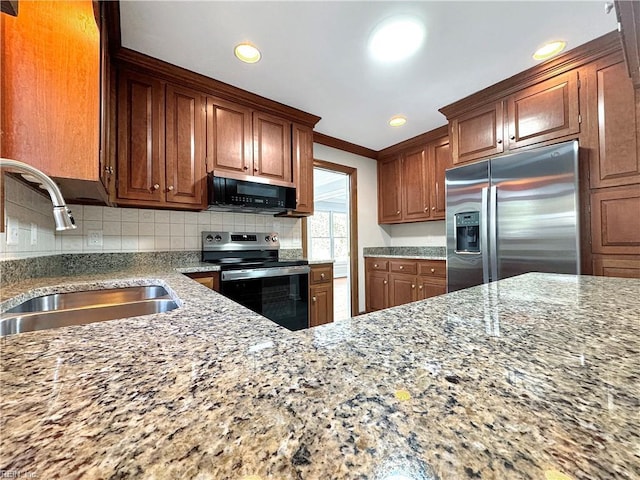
(61, 214)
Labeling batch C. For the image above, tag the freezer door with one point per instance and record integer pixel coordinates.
(536, 204)
(467, 197)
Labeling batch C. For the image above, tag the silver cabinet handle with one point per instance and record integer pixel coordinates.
(314, 298)
(322, 275)
(375, 265)
(170, 187)
(398, 212)
(433, 270)
(433, 208)
(426, 209)
(413, 286)
(420, 287)
(401, 267)
(384, 282)
(156, 186)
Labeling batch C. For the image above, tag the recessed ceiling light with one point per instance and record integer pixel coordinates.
(397, 120)
(396, 38)
(550, 49)
(247, 53)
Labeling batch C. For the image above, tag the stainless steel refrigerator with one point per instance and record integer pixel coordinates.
(513, 214)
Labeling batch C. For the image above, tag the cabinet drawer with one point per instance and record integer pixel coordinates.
(403, 266)
(321, 274)
(377, 264)
(433, 268)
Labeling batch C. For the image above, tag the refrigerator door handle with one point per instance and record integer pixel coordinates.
(484, 235)
(493, 232)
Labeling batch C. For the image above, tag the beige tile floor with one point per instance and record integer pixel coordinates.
(341, 301)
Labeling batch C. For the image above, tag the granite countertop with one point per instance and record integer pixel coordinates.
(526, 378)
(422, 253)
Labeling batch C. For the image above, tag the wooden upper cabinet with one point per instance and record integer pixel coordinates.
(271, 147)
(439, 159)
(544, 111)
(389, 196)
(302, 150)
(614, 105)
(229, 137)
(415, 185)
(185, 146)
(478, 133)
(140, 148)
(50, 101)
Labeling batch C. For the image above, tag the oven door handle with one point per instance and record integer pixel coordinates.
(253, 273)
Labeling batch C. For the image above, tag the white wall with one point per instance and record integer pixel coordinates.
(370, 234)
(123, 229)
(420, 234)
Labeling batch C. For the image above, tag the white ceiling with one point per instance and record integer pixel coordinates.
(314, 54)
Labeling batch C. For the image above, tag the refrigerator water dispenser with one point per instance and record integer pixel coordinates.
(467, 232)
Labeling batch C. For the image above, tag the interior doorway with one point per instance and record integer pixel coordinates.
(330, 233)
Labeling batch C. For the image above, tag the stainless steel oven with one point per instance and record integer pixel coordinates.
(252, 274)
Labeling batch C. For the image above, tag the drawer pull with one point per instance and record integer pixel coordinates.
(401, 267)
(314, 298)
(375, 265)
(433, 270)
(413, 286)
(420, 287)
(156, 186)
(384, 282)
(322, 276)
(398, 212)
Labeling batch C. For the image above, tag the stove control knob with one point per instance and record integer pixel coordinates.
(267, 238)
(274, 238)
(218, 238)
(208, 239)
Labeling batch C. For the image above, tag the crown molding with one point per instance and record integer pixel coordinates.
(343, 145)
(417, 141)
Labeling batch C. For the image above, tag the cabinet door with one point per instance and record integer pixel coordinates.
(544, 111)
(615, 222)
(617, 266)
(271, 147)
(478, 133)
(321, 310)
(414, 185)
(229, 138)
(430, 287)
(377, 290)
(140, 138)
(303, 167)
(389, 190)
(439, 159)
(614, 106)
(402, 289)
(185, 146)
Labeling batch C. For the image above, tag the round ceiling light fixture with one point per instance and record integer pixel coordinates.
(397, 120)
(247, 53)
(396, 38)
(550, 49)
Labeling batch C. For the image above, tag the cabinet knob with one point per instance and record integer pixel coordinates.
(375, 265)
(170, 187)
(433, 208)
(401, 267)
(413, 286)
(314, 299)
(513, 137)
(245, 168)
(499, 142)
(419, 287)
(322, 276)
(384, 282)
(433, 270)
(398, 212)
(255, 169)
(426, 209)
(156, 186)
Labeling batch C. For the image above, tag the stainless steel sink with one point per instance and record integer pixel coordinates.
(79, 308)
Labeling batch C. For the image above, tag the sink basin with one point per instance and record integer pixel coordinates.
(79, 308)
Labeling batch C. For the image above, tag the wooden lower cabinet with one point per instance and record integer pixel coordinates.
(615, 223)
(391, 282)
(208, 279)
(320, 294)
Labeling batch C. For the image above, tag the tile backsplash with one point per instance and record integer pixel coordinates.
(120, 229)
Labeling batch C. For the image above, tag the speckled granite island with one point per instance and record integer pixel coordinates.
(527, 378)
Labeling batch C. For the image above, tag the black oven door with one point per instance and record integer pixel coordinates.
(280, 293)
